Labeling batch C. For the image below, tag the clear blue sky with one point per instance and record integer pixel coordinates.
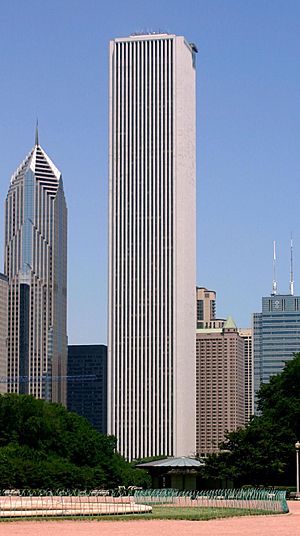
(54, 65)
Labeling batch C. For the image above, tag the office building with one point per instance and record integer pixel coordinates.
(220, 385)
(36, 267)
(87, 383)
(152, 253)
(3, 333)
(246, 334)
(206, 309)
(276, 335)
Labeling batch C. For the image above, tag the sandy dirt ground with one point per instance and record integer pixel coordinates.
(277, 525)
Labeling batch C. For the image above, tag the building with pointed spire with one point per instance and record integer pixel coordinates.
(36, 267)
(276, 331)
(220, 385)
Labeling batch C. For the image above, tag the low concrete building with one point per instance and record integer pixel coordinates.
(179, 473)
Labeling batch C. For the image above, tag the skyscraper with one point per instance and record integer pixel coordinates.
(3, 333)
(276, 335)
(220, 385)
(276, 330)
(152, 175)
(36, 266)
(246, 334)
(87, 383)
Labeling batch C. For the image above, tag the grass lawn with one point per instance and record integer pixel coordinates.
(199, 513)
(158, 512)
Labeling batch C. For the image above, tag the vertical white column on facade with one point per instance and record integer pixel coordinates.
(144, 282)
(152, 369)
(118, 284)
(113, 274)
(134, 345)
(149, 194)
(130, 416)
(163, 247)
(160, 250)
(163, 211)
(121, 257)
(126, 230)
(171, 204)
(144, 225)
(169, 255)
(157, 219)
(129, 289)
(137, 301)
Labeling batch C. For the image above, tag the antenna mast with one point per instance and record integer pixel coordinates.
(292, 270)
(274, 284)
(37, 132)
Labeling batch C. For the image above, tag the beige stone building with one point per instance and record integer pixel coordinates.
(206, 309)
(220, 385)
(3, 333)
(246, 334)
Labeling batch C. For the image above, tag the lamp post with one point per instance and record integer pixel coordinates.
(297, 447)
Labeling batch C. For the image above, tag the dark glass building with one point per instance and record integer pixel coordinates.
(87, 383)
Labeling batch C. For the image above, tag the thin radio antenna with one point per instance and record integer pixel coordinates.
(274, 284)
(292, 270)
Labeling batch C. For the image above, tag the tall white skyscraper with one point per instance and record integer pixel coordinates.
(152, 250)
(36, 267)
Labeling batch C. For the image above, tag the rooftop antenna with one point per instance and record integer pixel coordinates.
(292, 270)
(37, 132)
(274, 284)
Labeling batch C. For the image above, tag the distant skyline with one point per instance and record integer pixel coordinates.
(54, 66)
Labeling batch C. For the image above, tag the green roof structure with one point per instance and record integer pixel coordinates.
(230, 323)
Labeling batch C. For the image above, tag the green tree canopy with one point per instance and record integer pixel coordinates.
(44, 445)
(263, 453)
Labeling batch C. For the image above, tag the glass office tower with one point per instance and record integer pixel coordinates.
(152, 246)
(276, 335)
(36, 266)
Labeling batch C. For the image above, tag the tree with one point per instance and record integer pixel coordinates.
(263, 452)
(44, 445)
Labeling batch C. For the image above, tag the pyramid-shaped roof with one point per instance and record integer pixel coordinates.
(230, 323)
(40, 164)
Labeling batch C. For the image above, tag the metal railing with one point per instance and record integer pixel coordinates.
(251, 499)
(62, 503)
(72, 502)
